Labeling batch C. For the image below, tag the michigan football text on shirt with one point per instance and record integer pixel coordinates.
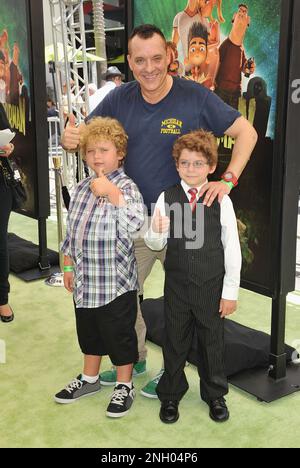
(171, 127)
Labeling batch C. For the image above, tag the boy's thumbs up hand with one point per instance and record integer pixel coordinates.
(99, 171)
(160, 223)
(100, 186)
(71, 136)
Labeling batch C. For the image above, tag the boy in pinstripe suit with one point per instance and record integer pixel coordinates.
(202, 267)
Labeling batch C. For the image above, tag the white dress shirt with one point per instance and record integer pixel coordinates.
(229, 238)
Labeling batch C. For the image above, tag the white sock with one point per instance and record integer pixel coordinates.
(89, 379)
(128, 384)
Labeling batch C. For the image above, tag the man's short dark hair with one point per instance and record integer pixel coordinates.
(198, 30)
(146, 31)
(243, 5)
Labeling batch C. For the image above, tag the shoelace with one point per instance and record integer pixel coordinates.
(119, 396)
(75, 384)
(221, 402)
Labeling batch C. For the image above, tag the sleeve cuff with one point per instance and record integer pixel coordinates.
(154, 240)
(153, 235)
(231, 294)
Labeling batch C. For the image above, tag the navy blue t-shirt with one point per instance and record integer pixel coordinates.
(153, 128)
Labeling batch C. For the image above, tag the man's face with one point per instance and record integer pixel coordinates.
(148, 61)
(117, 80)
(197, 51)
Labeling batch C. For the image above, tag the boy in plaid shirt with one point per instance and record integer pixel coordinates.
(100, 267)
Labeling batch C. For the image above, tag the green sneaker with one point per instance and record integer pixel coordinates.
(149, 390)
(139, 368)
(110, 377)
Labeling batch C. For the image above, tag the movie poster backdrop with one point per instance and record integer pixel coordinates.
(23, 94)
(232, 48)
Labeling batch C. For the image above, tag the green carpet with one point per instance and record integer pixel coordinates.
(43, 355)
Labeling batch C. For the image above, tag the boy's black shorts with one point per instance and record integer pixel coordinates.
(110, 329)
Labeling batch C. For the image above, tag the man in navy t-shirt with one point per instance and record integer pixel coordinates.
(155, 110)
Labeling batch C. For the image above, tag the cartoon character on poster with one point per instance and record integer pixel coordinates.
(175, 67)
(15, 90)
(4, 66)
(233, 61)
(200, 11)
(196, 60)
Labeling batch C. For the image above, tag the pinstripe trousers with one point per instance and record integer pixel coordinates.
(192, 309)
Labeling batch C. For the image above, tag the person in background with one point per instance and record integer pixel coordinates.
(76, 101)
(113, 78)
(53, 128)
(6, 313)
(51, 108)
(92, 88)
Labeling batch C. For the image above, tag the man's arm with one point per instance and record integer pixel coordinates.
(71, 136)
(245, 140)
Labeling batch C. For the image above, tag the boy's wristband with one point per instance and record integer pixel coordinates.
(68, 268)
(229, 184)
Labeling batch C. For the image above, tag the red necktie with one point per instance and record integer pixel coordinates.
(193, 192)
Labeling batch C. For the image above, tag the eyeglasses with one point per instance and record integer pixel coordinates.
(196, 164)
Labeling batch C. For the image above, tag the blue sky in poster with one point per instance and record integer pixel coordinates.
(261, 42)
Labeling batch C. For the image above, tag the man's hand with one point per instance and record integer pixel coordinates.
(251, 69)
(213, 190)
(71, 136)
(227, 307)
(69, 281)
(160, 223)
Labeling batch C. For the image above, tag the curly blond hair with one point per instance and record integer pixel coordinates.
(104, 128)
(200, 141)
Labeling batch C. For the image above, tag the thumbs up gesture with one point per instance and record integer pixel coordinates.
(100, 186)
(71, 135)
(160, 223)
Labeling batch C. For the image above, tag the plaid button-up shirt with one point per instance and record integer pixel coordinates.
(99, 241)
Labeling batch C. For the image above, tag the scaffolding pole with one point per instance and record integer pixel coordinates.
(69, 45)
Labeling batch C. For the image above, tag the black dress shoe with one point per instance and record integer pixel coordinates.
(169, 412)
(7, 318)
(218, 410)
